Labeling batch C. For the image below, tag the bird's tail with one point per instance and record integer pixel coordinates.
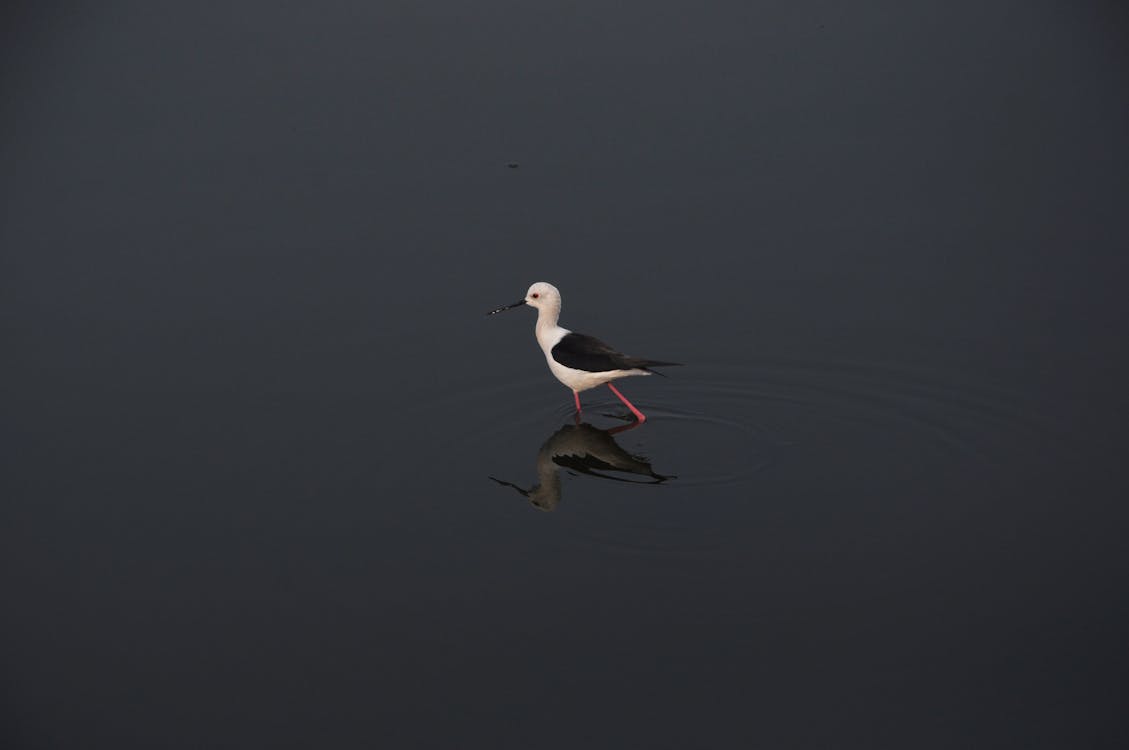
(647, 364)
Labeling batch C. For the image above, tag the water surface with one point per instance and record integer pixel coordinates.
(275, 481)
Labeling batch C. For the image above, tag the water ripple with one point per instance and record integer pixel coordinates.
(722, 424)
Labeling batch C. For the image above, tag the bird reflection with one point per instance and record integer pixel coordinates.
(587, 450)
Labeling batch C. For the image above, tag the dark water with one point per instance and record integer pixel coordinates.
(273, 479)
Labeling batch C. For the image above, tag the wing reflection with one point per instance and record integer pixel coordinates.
(586, 450)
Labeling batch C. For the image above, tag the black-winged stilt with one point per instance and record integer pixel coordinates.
(580, 362)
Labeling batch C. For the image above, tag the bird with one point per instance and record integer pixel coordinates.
(580, 362)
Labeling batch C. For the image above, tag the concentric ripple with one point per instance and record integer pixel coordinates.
(713, 425)
(713, 432)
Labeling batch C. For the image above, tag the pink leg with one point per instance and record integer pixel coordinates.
(638, 414)
(576, 397)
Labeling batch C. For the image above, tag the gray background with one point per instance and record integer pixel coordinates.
(252, 402)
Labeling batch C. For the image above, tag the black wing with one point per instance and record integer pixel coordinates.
(587, 353)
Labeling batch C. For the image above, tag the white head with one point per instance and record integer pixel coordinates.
(542, 295)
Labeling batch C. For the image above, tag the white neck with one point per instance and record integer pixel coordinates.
(547, 331)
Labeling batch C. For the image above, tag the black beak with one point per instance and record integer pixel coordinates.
(519, 303)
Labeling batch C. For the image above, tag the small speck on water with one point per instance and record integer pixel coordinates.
(512, 164)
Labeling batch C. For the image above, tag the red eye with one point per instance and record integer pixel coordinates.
(535, 295)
